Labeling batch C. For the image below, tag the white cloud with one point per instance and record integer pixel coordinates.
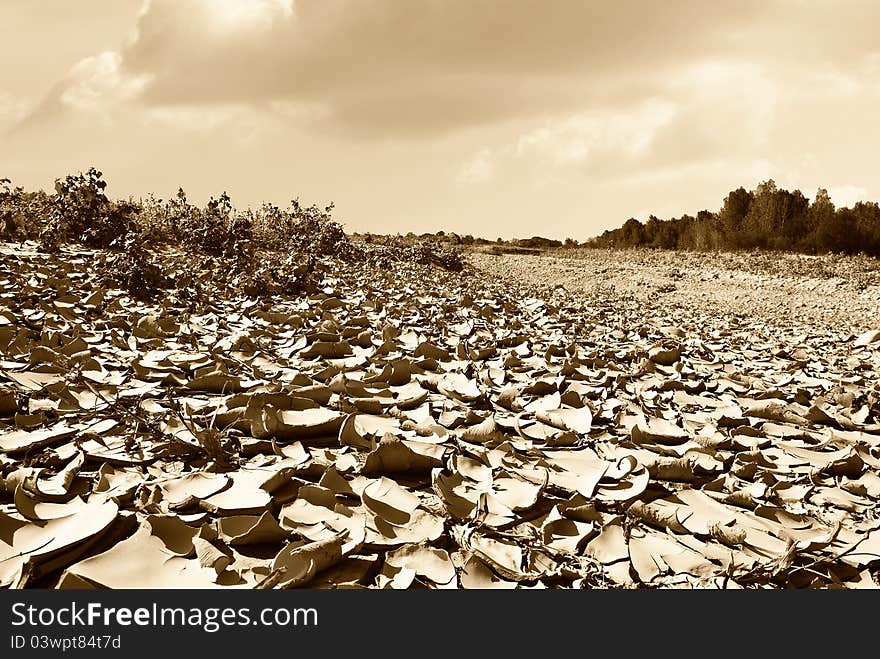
(731, 92)
(574, 139)
(12, 109)
(241, 123)
(387, 67)
(238, 15)
(98, 84)
(478, 169)
(847, 195)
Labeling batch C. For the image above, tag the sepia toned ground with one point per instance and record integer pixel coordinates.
(788, 290)
(598, 419)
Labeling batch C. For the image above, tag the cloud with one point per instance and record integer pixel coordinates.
(502, 110)
(384, 68)
(576, 138)
(847, 195)
(245, 15)
(12, 109)
(98, 85)
(379, 69)
(478, 169)
(736, 118)
(99, 82)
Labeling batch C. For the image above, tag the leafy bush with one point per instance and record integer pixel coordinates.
(209, 231)
(270, 226)
(432, 254)
(392, 250)
(135, 270)
(240, 236)
(80, 212)
(12, 224)
(216, 230)
(84, 214)
(313, 231)
(179, 217)
(305, 230)
(154, 222)
(280, 275)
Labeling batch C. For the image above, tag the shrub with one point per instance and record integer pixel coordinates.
(154, 223)
(209, 231)
(80, 211)
(280, 275)
(270, 226)
(12, 223)
(134, 270)
(84, 214)
(180, 217)
(397, 250)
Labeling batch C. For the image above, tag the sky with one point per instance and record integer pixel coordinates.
(496, 118)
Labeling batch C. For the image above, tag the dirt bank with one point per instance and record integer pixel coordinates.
(799, 293)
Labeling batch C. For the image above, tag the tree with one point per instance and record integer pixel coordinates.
(838, 234)
(12, 224)
(652, 228)
(776, 217)
(820, 218)
(767, 217)
(866, 216)
(632, 233)
(702, 233)
(792, 209)
(732, 214)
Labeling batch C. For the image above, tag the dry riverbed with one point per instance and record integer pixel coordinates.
(790, 291)
(620, 420)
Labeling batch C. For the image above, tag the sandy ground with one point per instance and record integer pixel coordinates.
(798, 293)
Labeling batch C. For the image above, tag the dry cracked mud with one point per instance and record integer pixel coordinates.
(618, 420)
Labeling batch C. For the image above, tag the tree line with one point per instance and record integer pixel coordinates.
(767, 217)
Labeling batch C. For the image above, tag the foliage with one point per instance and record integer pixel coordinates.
(386, 251)
(280, 275)
(135, 270)
(209, 231)
(765, 218)
(11, 222)
(80, 212)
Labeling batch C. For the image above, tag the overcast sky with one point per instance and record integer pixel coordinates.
(490, 117)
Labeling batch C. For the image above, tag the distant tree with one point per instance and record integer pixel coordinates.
(652, 229)
(632, 233)
(791, 221)
(537, 242)
(768, 217)
(700, 233)
(776, 218)
(666, 234)
(759, 222)
(866, 217)
(837, 233)
(732, 215)
(819, 221)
